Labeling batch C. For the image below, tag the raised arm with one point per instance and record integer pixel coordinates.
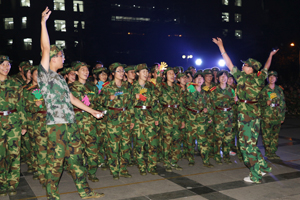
(268, 63)
(219, 42)
(45, 42)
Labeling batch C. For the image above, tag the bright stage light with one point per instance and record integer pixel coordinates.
(198, 62)
(221, 63)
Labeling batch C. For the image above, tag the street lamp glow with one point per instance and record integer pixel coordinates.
(292, 44)
(198, 62)
(221, 63)
(183, 56)
(190, 56)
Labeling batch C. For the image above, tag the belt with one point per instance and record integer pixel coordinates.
(247, 101)
(118, 109)
(195, 111)
(78, 110)
(43, 112)
(274, 105)
(7, 112)
(171, 106)
(223, 109)
(143, 107)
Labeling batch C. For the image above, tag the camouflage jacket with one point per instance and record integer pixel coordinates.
(151, 93)
(168, 95)
(30, 100)
(123, 99)
(84, 92)
(222, 98)
(11, 97)
(197, 101)
(277, 97)
(28, 114)
(248, 88)
(18, 77)
(206, 88)
(56, 95)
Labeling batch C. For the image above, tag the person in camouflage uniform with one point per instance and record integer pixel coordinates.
(222, 97)
(272, 104)
(198, 116)
(193, 70)
(215, 71)
(146, 114)
(189, 76)
(116, 98)
(12, 119)
(172, 119)
(20, 77)
(130, 73)
(70, 74)
(249, 84)
(87, 93)
(63, 137)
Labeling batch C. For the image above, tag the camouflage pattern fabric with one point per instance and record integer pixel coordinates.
(184, 143)
(271, 117)
(11, 96)
(18, 77)
(248, 88)
(56, 93)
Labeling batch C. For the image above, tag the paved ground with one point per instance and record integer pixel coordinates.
(197, 182)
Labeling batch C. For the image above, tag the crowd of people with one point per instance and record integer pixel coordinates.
(131, 115)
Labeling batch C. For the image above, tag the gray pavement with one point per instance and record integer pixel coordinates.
(197, 182)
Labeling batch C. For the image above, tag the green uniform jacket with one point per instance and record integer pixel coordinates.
(30, 101)
(18, 77)
(222, 98)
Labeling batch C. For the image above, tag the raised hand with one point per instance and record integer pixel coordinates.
(45, 14)
(163, 66)
(272, 53)
(218, 41)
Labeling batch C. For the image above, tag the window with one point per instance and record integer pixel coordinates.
(60, 25)
(225, 2)
(82, 24)
(75, 43)
(9, 23)
(238, 3)
(61, 43)
(78, 5)
(24, 22)
(129, 19)
(238, 34)
(27, 43)
(25, 3)
(225, 17)
(225, 32)
(10, 42)
(59, 4)
(237, 18)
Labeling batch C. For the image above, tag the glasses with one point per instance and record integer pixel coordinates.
(63, 56)
(120, 71)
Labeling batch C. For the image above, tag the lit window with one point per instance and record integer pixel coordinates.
(27, 43)
(24, 22)
(237, 18)
(238, 3)
(83, 24)
(75, 43)
(60, 25)
(238, 34)
(76, 24)
(225, 17)
(10, 42)
(60, 43)
(129, 19)
(9, 23)
(225, 2)
(225, 32)
(59, 4)
(78, 5)
(25, 3)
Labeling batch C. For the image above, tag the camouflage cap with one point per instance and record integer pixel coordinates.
(4, 58)
(154, 67)
(230, 75)
(191, 67)
(68, 70)
(273, 73)
(179, 75)
(54, 50)
(200, 70)
(129, 68)
(168, 69)
(177, 69)
(115, 65)
(63, 71)
(77, 66)
(215, 69)
(252, 63)
(24, 63)
(33, 68)
(207, 71)
(99, 70)
(197, 74)
(221, 72)
(140, 67)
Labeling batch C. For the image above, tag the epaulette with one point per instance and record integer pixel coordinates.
(33, 86)
(105, 84)
(206, 88)
(24, 86)
(213, 88)
(281, 87)
(259, 73)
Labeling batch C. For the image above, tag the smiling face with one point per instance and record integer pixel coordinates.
(103, 76)
(208, 78)
(230, 81)
(71, 76)
(83, 73)
(189, 78)
(272, 79)
(130, 74)
(5, 68)
(199, 80)
(143, 74)
(28, 75)
(223, 78)
(247, 69)
(119, 73)
(34, 76)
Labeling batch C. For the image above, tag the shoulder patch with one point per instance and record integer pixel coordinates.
(213, 88)
(281, 87)
(105, 84)
(259, 73)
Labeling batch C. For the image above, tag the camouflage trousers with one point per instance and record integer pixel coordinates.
(118, 146)
(32, 152)
(89, 136)
(146, 144)
(270, 132)
(10, 142)
(248, 133)
(171, 140)
(64, 143)
(210, 134)
(26, 147)
(223, 136)
(184, 144)
(103, 140)
(196, 130)
(40, 134)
